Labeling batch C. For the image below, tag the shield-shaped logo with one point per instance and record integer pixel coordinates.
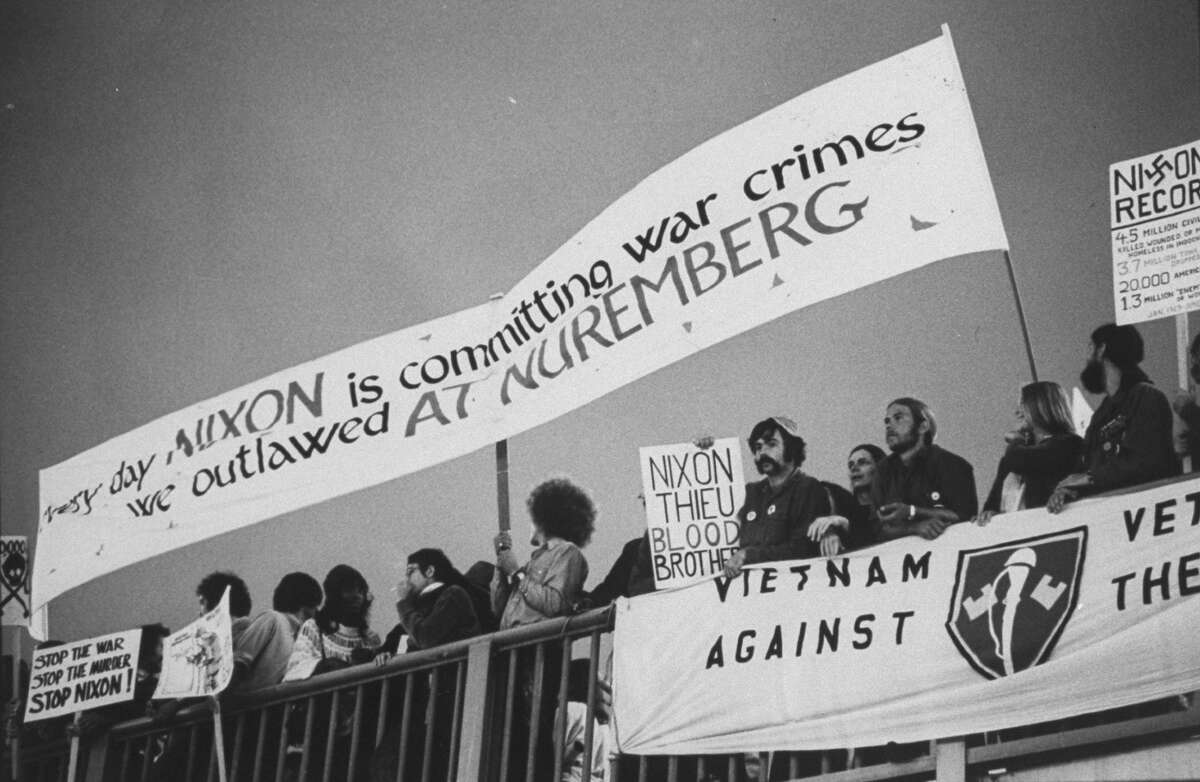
(1012, 601)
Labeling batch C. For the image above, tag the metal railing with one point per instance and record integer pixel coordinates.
(496, 709)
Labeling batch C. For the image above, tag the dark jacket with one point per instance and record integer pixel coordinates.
(774, 524)
(1130, 439)
(439, 616)
(1041, 465)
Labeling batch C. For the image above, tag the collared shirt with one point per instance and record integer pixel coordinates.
(264, 647)
(935, 478)
(774, 522)
(553, 580)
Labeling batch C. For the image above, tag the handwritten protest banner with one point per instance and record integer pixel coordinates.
(1155, 217)
(198, 660)
(866, 177)
(83, 675)
(692, 499)
(14, 581)
(1035, 614)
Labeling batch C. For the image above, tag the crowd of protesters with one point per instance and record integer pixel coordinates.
(914, 487)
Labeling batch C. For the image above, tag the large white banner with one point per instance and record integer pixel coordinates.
(861, 179)
(1033, 617)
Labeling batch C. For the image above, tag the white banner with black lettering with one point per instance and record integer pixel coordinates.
(1034, 617)
(858, 180)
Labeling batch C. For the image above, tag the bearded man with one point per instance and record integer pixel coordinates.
(919, 488)
(1130, 438)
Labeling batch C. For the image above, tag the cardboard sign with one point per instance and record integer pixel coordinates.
(1034, 614)
(692, 499)
(198, 660)
(1155, 211)
(864, 178)
(83, 675)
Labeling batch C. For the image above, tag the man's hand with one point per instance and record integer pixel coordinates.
(735, 563)
(984, 517)
(506, 560)
(403, 590)
(831, 545)
(929, 528)
(1059, 499)
(826, 525)
(1017, 437)
(382, 658)
(895, 512)
(704, 441)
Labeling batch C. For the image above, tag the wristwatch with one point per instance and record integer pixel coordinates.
(517, 577)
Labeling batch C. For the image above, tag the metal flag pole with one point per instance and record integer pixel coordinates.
(1181, 355)
(1012, 279)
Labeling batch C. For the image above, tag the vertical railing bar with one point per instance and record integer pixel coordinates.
(285, 713)
(535, 712)
(212, 761)
(560, 711)
(430, 717)
(506, 738)
(355, 731)
(794, 765)
(702, 766)
(126, 755)
(590, 711)
(385, 687)
(193, 731)
(331, 735)
(405, 726)
(310, 706)
(146, 757)
(460, 683)
(673, 768)
(731, 769)
(641, 768)
(238, 741)
(260, 743)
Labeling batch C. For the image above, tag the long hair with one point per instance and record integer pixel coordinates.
(876, 452)
(1046, 406)
(442, 569)
(333, 612)
(919, 412)
(562, 510)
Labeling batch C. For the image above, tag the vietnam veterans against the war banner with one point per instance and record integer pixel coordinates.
(920, 488)
(779, 509)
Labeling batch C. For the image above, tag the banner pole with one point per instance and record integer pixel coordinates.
(502, 486)
(1012, 279)
(1181, 355)
(73, 763)
(218, 737)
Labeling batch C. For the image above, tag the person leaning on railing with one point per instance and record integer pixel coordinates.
(1130, 438)
(1042, 450)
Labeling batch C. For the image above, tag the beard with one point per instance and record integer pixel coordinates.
(766, 465)
(1092, 377)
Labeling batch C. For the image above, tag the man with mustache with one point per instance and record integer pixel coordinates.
(1130, 439)
(919, 488)
(780, 509)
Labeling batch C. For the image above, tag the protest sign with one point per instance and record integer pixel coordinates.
(1155, 219)
(861, 179)
(14, 581)
(692, 499)
(83, 675)
(198, 660)
(1049, 615)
